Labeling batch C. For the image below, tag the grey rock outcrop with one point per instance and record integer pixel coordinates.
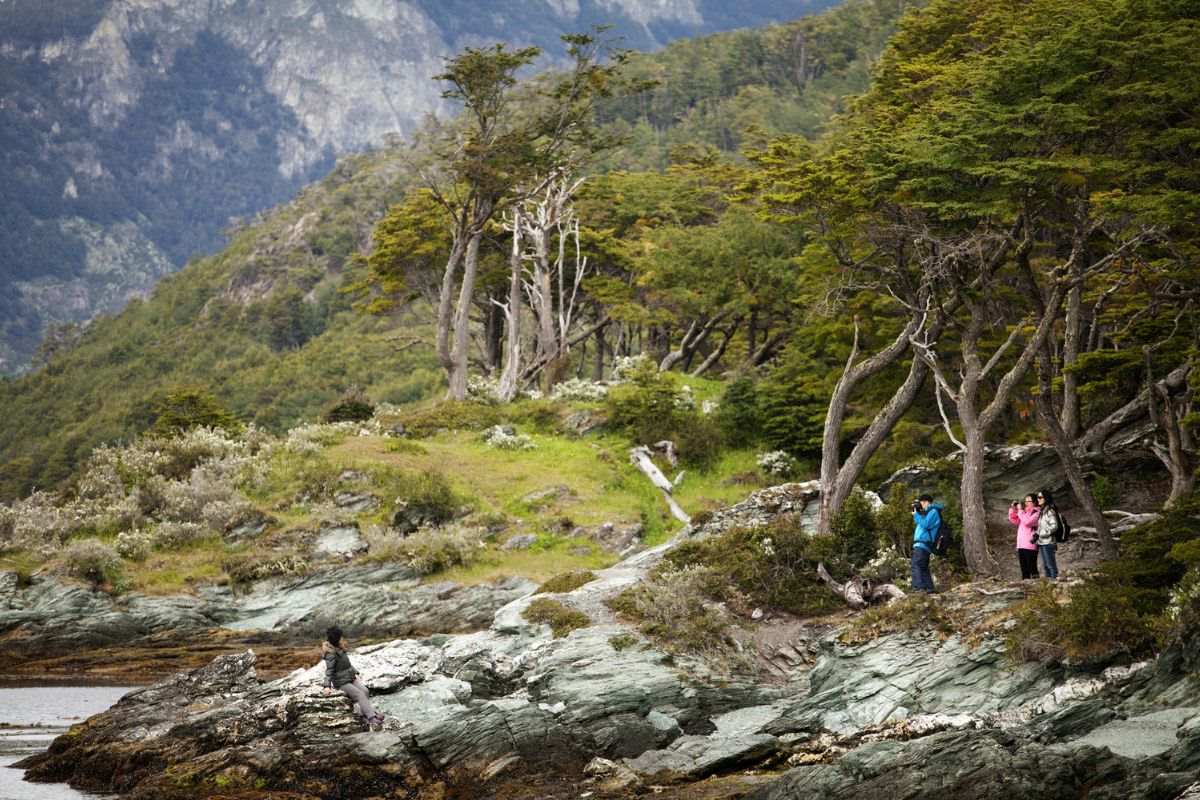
(50, 616)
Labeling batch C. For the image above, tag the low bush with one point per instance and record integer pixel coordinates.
(449, 415)
(353, 406)
(421, 498)
(773, 566)
(134, 545)
(432, 550)
(566, 582)
(94, 561)
(854, 528)
(1097, 624)
(649, 409)
(622, 641)
(255, 566)
(561, 619)
(677, 610)
(916, 612)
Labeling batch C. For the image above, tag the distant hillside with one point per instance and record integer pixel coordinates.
(133, 132)
(263, 325)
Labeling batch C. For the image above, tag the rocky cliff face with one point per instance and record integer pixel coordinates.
(134, 131)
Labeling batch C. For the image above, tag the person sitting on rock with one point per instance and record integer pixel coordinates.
(1049, 522)
(341, 674)
(1025, 516)
(927, 515)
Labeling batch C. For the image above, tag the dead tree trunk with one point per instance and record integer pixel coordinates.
(859, 592)
(837, 482)
(642, 458)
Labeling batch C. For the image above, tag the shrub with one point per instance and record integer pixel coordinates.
(579, 390)
(449, 415)
(566, 582)
(188, 407)
(433, 550)
(353, 406)
(622, 641)
(423, 498)
(773, 566)
(561, 619)
(1104, 491)
(916, 612)
(738, 413)
(500, 437)
(255, 566)
(93, 560)
(1097, 624)
(698, 439)
(177, 535)
(676, 609)
(648, 409)
(777, 463)
(855, 531)
(134, 545)
(894, 521)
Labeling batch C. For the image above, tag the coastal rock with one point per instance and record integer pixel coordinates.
(343, 541)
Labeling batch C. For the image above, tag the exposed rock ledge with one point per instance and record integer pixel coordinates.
(901, 715)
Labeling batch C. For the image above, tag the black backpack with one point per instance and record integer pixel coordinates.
(942, 539)
(1063, 532)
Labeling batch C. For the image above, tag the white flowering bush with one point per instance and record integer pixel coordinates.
(777, 463)
(45, 518)
(313, 437)
(709, 407)
(685, 400)
(625, 366)
(497, 436)
(579, 390)
(1185, 599)
(92, 560)
(175, 535)
(204, 497)
(431, 550)
(134, 545)
(482, 389)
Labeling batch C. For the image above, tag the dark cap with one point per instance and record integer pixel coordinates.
(927, 497)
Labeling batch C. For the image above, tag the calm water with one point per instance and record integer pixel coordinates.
(30, 718)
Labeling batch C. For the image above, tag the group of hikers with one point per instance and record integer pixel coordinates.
(1039, 529)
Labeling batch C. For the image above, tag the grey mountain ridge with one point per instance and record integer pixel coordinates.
(133, 132)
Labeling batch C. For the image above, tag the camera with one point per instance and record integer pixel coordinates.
(916, 505)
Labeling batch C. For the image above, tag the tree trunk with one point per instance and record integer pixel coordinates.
(598, 367)
(1071, 337)
(834, 485)
(715, 356)
(445, 305)
(462, 322)
(1062, 445)
(510, 378)
(975, 547)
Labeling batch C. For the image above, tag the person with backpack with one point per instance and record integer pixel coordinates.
(340, 674)
(927, 515)
(1049, 533)
(1025, 516)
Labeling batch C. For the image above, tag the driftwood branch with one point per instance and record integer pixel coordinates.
(643, 459)
(859, 592)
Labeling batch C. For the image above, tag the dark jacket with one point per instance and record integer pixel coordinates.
(927, 524)
(338, 669)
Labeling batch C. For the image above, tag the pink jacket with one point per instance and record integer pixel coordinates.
(1026, 522)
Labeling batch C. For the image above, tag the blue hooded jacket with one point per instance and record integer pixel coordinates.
(928, 523)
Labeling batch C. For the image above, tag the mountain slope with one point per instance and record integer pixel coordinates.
(132, 132)
(263, 325)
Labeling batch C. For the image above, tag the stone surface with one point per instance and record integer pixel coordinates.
(344, 541)
(522, 541)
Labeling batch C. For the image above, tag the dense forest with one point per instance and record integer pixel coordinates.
(264, 324)
(994, 242)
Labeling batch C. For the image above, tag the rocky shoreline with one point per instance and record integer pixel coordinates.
(512, 711)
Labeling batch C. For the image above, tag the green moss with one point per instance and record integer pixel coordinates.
(622, 641)
(916, 612)
(561, 619)
(567, 582)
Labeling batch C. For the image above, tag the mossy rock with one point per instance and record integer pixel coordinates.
(561, 619)
(566, 582)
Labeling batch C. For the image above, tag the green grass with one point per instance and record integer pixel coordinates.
(550, 557)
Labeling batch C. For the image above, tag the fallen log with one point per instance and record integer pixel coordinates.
(642, 458)
(860, 592)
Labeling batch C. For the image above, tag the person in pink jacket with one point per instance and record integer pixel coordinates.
(1025, 516)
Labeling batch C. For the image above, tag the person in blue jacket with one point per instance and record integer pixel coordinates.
(928, 518)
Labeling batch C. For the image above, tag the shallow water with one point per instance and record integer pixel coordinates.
(30, 718)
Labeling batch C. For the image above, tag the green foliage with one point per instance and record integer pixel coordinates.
(353, 406)
(622, 641)
(894, 520)
(566, 582)
(855, 530)
(648, 409)
(561, 619)
(773, 566)
(1097, 624)
(433, 550)
(1104, 491)
(678, 612)
(94, 561)
(739, 414)
(177, 410)
(914, 613)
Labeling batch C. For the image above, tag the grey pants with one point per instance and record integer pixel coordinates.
(358, 693)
